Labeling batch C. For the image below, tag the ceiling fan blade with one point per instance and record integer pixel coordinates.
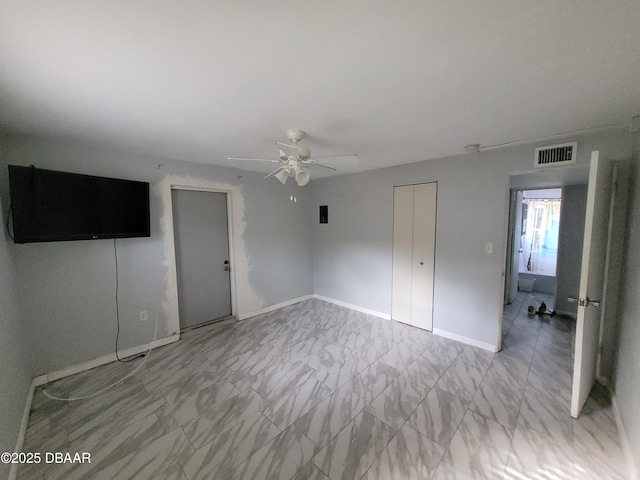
(255, 159)
(274, 172)
(316, 164)
(282, 155)
(286, 145)
(342, 155)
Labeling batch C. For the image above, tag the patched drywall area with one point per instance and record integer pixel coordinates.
(244, 297)
(66, 290)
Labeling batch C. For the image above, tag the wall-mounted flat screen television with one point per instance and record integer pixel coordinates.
(50, 206)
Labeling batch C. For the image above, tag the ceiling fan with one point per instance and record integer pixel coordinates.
(295, 160)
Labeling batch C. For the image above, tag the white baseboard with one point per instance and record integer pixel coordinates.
(626, 448)
(243, 316)
(375, 313)
(436, 331)
(13, 471)
(469, 341)
(103, 360)
(72, 370)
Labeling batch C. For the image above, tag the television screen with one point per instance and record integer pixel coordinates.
(49, 206)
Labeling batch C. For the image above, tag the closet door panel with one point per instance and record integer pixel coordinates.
(402, 253)
(423, 262)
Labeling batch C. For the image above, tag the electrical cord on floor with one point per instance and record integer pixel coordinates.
(102, 390)
(115, 255)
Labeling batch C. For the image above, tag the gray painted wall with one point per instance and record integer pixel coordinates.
(352, 253)
(66, 289)
(15, 373)
(626, 377)
(574, 201)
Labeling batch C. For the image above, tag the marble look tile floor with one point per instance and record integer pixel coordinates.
(314, 391)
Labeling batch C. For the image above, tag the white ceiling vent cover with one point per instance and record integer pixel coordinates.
(552, 155)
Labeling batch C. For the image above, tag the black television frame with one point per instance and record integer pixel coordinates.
(28, 203)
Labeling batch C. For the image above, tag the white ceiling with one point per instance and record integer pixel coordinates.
(394, 82)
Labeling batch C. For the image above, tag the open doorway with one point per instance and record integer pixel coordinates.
(537, 240)
(531, 258)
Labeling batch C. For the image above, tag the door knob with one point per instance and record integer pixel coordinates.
(593, 303)
(584, 302)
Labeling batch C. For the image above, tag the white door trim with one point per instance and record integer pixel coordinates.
(503, 278)
(237, 254)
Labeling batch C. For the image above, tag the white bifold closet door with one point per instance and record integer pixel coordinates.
(414, 239)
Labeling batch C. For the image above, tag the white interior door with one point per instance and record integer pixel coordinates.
(414, 234)
(202, 256)
(592, 279)
(424, 242)
(402, 253)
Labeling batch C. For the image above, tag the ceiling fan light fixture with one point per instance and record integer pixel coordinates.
(282, 175)
(295, 135)
(303, 152)
(302, 177)
(294, 160)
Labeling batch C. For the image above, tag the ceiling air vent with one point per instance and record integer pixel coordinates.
(552, 155)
